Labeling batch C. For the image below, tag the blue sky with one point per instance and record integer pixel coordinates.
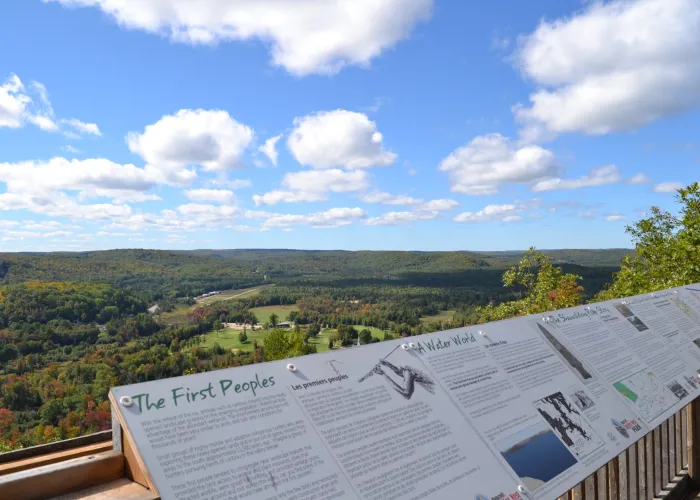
(353, 124)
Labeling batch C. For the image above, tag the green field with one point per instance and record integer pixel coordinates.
(228, 339)
(376, 332)
(443, 316)
(177, 315)
(263, 313)
(231, 294)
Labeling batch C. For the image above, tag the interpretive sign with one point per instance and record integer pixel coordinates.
(524, 408)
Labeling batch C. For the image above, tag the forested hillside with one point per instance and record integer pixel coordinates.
(74, 324)
(155, 274)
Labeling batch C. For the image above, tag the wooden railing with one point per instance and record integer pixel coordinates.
(664, 464)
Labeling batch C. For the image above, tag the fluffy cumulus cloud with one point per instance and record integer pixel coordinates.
(305, 36)
(338, 138)
(314, 185)
(60, 174)
(608, 174)
(60, 187)
(269, 149)
(209, 138)
(224, 196)
(667, 187)
(487, 162)
(613, 66)
(334, 217)
(490, 213)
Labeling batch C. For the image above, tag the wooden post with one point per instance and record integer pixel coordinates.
(693, 442)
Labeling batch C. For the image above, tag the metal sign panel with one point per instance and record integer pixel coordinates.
(524, 408)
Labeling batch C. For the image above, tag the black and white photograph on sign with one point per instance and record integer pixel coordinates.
(691, 382)
(568, 423)
(536, 455)
(582, 400)
(566, 355)
(677, 389)
(408, 376)
(629, 315)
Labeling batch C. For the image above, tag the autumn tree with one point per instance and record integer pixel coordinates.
(540, 286)
(666, 249)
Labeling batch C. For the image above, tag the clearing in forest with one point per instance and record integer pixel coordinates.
(443, 316)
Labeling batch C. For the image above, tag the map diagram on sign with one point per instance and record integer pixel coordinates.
(647, 393)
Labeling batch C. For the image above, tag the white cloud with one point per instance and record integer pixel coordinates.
(119, 196)
(13, 102)
(48, 187)
(63, 174)
(211, 139)
(45, 123)
(512, 218)
(490, 213)
(615, 218)
(209, 211)
(390, 199)
(638, 179)
(5, 224)
(71, 135)
(242, 228)
(314, 185)
(335, 217)
(440, 205)
(489, 161)
(608, 174)
(70, 149)
(397, 218)
(667, 187)
(211, 195)
(21, 104)
(305, 36)
(613, 66)
(338, 138)
(83, 127)
(232, 183)
(269, 148)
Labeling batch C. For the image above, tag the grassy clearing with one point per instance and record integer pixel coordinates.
(376, 332)
(231, 294)
(228, 339)
(177, 315)
(263, 313)
(443, 316)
